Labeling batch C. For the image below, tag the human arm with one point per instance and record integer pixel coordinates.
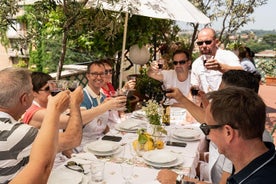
(45, 145)
(72, 135)
(154, 73)
(197, 112)
(224, 177)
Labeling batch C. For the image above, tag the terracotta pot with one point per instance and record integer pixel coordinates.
(270, 81)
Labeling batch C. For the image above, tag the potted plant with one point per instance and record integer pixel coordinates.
(267, 68)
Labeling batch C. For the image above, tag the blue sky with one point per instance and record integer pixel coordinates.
(265, 18)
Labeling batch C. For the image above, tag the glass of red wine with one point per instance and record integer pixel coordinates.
(57, 86)
(72, 85)
(194, 92)
(160, 64)
(166, 88)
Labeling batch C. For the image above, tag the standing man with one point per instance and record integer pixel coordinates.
(213, 62)
(179, 77)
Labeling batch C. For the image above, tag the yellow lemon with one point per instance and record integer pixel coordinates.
(159, 144)
(149, 146)
(135, 144)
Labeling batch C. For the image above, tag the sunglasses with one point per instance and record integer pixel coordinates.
(182, 62)
(206, 128)
(109, 71)
(75, 166)
(207, 42)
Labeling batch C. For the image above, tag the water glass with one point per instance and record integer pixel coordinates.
(97, 170)
(127, 171)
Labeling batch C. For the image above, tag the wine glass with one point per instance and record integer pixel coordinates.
(57, 86)
(127, 171)
(160, 64)
(166, 88)
(72, 85)
(194, 92)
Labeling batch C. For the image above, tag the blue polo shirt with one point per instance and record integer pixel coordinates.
(260, 170)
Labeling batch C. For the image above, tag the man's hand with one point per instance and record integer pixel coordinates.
(166, 176)
(77, 96)
(176, 94)
(60, 102)
(115, 103)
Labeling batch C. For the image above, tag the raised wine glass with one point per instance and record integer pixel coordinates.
(194, 92)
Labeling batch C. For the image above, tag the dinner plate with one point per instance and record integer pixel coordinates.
(160, 156)
(185, 139)
(130, 124)
(179, 160)
(103, 146)
(187, 133)
(117, 127)
(85, 148)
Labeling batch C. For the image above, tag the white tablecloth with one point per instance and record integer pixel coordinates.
(142, 172)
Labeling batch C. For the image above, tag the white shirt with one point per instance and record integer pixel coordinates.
(170, 77)
(209, 80)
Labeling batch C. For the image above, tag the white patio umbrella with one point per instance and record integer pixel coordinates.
(180, 10)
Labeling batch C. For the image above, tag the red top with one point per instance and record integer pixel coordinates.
(30, 112)
(106, 92)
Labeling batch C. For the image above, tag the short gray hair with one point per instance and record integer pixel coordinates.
(14, 82)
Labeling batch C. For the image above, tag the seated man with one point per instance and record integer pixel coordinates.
(46, 143)
(219, 167)
(16, 96)
(235, 119)
(93, 99)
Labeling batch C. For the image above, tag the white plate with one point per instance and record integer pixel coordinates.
(85, 148)
(186, 140)
(160, 156)
(117, 127)
(179, 160)
(130, 124)
(187, 133)
(102, 146)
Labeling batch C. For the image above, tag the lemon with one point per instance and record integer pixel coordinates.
(135, 144)
(149, 146)
(159, 144)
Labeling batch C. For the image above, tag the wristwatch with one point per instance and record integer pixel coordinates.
(179, 179)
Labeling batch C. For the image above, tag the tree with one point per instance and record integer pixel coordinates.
(234, 14)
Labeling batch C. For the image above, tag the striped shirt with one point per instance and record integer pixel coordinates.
(15, 146)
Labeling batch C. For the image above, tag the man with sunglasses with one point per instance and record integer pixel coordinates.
(218, 167)
(179, 77)
(213, 62)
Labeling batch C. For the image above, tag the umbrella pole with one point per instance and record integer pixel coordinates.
(123, 52)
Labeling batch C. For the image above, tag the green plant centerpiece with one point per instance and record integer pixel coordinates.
(155, 135)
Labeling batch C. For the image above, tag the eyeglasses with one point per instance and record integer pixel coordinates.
(75, 166)
(207, 42)
(206, 128)
(96, 74)
(182, 62)
(109, 71)
(45, 89)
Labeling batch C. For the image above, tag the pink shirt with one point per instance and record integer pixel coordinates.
(30, 112)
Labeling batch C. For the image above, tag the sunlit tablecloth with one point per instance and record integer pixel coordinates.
(142, 172)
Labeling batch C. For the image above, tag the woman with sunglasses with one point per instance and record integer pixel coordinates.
(107, 87)
(179, 77)
(208, 68)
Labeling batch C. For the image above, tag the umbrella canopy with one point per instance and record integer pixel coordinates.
(180, 10)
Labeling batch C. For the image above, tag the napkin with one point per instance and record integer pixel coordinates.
(84, 156)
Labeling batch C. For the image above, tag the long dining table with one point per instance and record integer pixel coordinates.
(143, 171)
